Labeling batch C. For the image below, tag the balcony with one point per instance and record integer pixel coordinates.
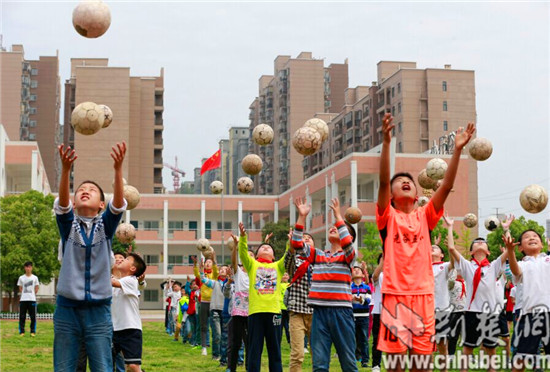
(147, 235)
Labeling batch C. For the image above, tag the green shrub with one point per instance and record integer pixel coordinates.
(45, 308)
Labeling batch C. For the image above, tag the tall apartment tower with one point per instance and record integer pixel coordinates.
(137, 104)
(299, 89)
(427, 104)
(30, 96)
(238, 145)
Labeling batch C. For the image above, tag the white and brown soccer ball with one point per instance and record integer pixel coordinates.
(125, 233)
(208, 253)
(231, 244)
(108, 115)
(132, 196)
(91, 18)
(203, 244)
(480, 149)
(216, 187)
(470, 220)
(424, 181)
(245, 185)
(87, 118)
(320, 126)
(436, 168)
(353, 215)
(252, 164)
(262, 134)
(492, 223)
(306, 141)
(533, 198)
(423, 200)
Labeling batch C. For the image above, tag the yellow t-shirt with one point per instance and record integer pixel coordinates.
(206, 292)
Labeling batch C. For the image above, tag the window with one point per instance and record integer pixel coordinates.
(33, 98)
(151, 295)
(32, 136)
(190, 259)
(399, 108)
(398, 88)
(34, 84)
(444, 86)
(150, 225)
(34, 71)
(393, 110)
(444, 105)
(445, 125)
(32, 110)
(393, 132)
(151, 259)
(175, 260)
(208, 229)
(226, 225)
(134, 223)
(343, 197)
(400, 147)
(392, 92)
(175, 226)
(399, 128)
(32, 123)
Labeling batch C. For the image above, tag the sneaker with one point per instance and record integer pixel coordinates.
(375, 369)
(33, 334)
(306, 351)
(204, 352)
(21, 334)
(215, 357)
(364, 365)
(223, 364)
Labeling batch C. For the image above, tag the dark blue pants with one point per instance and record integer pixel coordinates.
(333, 325)
(264, 326)
(362, 338)
(24, 307)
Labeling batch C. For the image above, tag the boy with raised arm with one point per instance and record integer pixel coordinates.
(405, 233)
(83, 311)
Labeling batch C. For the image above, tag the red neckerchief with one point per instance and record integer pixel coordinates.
(207, 271)
(477, 276)
(222, 278)
(263, 260)
(300, 271)
(463, 287)
(437, 263)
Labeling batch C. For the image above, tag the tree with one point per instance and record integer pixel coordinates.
(28, 232)
(280, 236)
(442, 231)
(519, 225)
(119, 247)
(372, 246)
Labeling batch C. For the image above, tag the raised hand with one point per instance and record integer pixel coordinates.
(510, 242)
(335, 206)
(437, 240)
(235, 239)
(267, 237)
(118, 153)
(302, 206)
(290, 234)
(506, 223)
(242, 230)
(387, 126)
(463, 136)
(67, 155)
(194, 259)
(448, 221)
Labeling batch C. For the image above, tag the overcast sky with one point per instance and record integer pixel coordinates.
(214, 53)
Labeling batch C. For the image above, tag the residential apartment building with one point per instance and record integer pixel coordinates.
(137, 104)
(30, 96)
(299, 88)
(238, 146)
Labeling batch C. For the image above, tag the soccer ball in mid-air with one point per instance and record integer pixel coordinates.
(245, 185)
(320, 126)
(423, 200)
(480, 149)
(252, 164)
(125, 233)
(108, 115)
(208, 253)
(203, 244)
(307, 140)
(353, 215)
(132, 196)
(436, 168)
(492, 223)
(231, 244)
(533, 198)
(424, 181)
(216, 187)
(91, 18)
(262, 134)
(470, 220)
(87, 118)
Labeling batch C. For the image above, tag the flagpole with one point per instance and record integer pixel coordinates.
(223, 179)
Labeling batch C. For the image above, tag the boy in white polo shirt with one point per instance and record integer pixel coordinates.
(28, 286)
(533, 273)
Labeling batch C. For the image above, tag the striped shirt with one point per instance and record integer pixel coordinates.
(331, 279)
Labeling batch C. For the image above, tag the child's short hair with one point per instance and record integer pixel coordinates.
(27, 264)
(351, 231)
(121, 253)
(402, 174)
(177, 283)
(477, 240)
(101, 194)
(310, 236)
(526, 231)
(258, 248)
(139, 264)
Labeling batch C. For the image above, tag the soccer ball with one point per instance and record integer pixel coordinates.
(131, 194)
(423, 200)
(307, 140)
(208, 253)
(427, 192)
(437, 184)
(480, 149)
(533, 198)
(492, 223)
(231, 244)
(436, 168)
(87, 118)
(108, 115)
(353, 215)
(125, 233)
(203, 244)
(262, 134)
(91, 18)
(424, 181)
(470, 220)
(252, 164)
(216, 187)
(245, 185)
(320, 126)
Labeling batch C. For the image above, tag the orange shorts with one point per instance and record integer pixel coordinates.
(407, 322)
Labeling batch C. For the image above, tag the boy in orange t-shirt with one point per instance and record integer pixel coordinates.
(407, 314)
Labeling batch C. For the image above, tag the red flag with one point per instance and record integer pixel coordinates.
(213, 162)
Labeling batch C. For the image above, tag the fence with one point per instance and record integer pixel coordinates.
(45, 316)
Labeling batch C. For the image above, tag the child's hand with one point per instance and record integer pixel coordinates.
(118, 153)
(290, 234)
(387, 127)
(335, 206)
(448, 221)
(509, 243)
(437, 240)
(67, 155)
(235, 239)
(267, 237)
(506, 223)
(463, 136)
(141, 278)
(302, 206)
(194, 259)
(242, 230)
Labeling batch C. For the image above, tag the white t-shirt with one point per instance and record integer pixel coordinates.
(240, 294)
(501, 286)
(28, 283)
(377, 298)
(458, 301)
(515, 292)
(441, 276)
(534, 277)
(485, 300)
(125, 306)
